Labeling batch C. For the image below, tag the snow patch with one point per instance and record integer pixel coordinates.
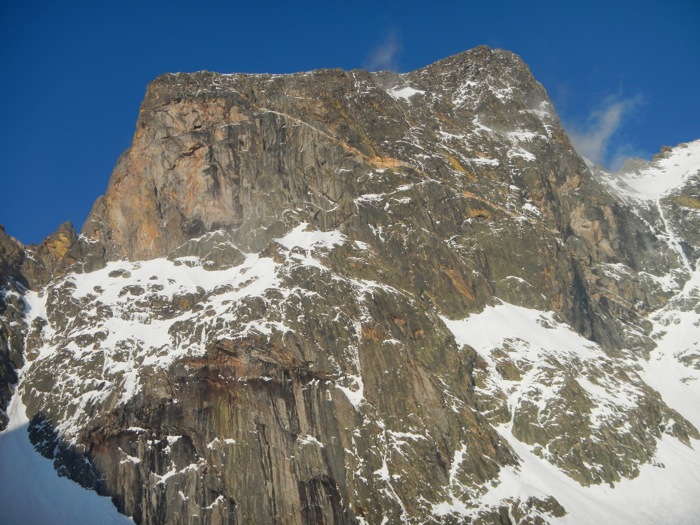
(306, 239)
(404, 93)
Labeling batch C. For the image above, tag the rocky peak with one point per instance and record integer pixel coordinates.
(11, 256)
(218, 151)
(51, 257)
(353, 297)
(469, 75)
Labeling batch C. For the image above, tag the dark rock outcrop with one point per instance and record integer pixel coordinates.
(12, 327)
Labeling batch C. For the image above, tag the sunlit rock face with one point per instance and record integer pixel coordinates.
(352, 297)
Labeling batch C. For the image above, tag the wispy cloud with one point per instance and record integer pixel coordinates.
(597, 138)
(385, 56)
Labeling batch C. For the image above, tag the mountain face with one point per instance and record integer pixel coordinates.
(358, 298)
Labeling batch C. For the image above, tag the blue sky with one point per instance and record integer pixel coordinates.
(624, 76)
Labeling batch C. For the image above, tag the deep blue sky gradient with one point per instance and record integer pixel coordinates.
(74, 73)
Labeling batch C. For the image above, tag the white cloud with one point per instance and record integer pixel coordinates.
(385, 56)
(596, 138)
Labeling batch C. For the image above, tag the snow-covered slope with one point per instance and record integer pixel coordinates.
(31, 491)
(651, 181)
(665, 490)
(666, 192)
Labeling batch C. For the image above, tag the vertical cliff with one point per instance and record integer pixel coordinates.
(350, 297)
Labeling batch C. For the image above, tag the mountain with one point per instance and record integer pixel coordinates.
(359, 298)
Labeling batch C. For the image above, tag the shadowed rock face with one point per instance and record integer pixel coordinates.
(252, 325)
(11, 309)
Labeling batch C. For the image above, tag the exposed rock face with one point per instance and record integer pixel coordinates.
(255, 155)
(263, 319)
(11, 319)
(21, 268)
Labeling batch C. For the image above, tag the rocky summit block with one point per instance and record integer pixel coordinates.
(352, 297)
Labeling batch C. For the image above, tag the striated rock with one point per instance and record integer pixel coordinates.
(255, 155)
(345, 297)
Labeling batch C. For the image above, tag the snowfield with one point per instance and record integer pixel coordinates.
(667, 490)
